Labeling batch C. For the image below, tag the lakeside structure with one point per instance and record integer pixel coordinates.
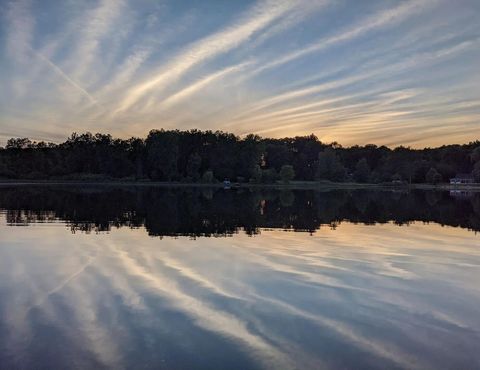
(462, 178)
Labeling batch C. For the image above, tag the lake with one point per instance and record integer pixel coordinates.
(199, 278)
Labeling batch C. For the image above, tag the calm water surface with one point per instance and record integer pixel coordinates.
(146, 278)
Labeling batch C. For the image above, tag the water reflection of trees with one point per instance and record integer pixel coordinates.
(217, 212)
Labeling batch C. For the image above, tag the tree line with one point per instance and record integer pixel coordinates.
(208, 156)
(206, 211)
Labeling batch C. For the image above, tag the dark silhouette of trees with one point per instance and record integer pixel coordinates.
(287, 173)
(187, 156)
(362, 171)
(162, 155)
(476, 171)
(19, 143)
(257, 174)
(216, 212)
(433, 177)
(329, 166)
(475, 156)
(193, 166)
(269, 175)
(208, 177)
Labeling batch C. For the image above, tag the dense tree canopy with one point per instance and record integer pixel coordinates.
(173, 155)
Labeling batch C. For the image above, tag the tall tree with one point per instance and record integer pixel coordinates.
(287, 173)
(329, 166)
(162, 153)
(193, 166)
(362, 171)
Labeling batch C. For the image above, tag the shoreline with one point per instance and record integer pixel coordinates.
(293, 185)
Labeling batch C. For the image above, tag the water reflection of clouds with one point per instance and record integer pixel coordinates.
(360, 296)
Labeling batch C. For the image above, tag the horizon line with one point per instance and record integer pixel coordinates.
(239, 136)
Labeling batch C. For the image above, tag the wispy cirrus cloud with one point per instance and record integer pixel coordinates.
(260, 16)
(200, 84)
(19, 32)
(93, 28)
(64, 76)
(385, 18)
(346, 71)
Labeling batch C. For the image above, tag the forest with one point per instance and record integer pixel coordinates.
(209, 157)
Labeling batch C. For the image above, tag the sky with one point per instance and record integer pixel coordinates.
(387, 72)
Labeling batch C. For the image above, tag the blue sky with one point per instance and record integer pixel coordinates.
(393, 72)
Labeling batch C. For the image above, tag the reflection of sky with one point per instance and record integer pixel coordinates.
(359, 296)
(383, 71)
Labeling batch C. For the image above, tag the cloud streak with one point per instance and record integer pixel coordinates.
(273, 67)
(209, 47)
(64, 76)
